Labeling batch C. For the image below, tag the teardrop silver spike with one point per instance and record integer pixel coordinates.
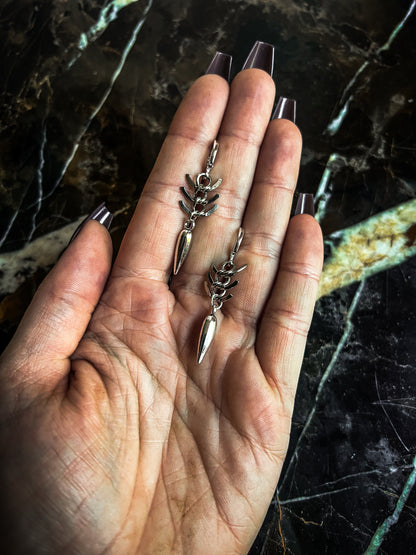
(183, 244)
(197, 204)
(206, 336)
(219, 282)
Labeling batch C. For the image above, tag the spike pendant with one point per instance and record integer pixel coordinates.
(198, 204)
(183, 244)
(220, 282)
(206, 336)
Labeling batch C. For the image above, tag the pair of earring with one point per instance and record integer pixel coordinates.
(220, 279)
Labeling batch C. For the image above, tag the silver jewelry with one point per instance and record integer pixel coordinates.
(199, 206)
(218, 285)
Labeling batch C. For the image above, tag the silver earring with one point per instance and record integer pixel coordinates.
(199, 206)
(218, 286)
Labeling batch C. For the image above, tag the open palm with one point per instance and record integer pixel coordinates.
(114, 439)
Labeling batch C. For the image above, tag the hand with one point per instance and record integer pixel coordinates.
(112, 438)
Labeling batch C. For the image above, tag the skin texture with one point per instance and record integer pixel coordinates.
(112, 438)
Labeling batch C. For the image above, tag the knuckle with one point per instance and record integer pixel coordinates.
(263, 243)
(290, 319)
(303, 269)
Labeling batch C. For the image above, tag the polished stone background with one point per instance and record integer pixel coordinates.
(87, 92)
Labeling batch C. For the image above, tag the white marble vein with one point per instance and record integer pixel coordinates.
(106, 93)
(390, 471)
(302, 498)
(107, 15)
(391, 520)
(42, 252)
(382, 404)
(39, 176)
(323, 195)
(334, 359)
(110, 13)
(346, 98)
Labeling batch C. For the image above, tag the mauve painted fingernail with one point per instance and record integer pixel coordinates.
(261, 57)
(220, 65)
(101, 215)
(305, 205)
(285, 109)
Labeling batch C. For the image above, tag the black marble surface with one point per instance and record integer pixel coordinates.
(88, 89)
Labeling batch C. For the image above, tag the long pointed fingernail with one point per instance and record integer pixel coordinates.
(101, 215)
(285, 109)
(220, 65)
(261, 57)
(305, 205)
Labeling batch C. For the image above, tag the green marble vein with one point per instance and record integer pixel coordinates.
(385, 526)
(398, 28)
(108, 14)
(372, 246)
(321, 195)
(107, 92)
(334, 126)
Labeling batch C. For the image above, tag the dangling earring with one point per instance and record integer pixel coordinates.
(199, 207)
(218, 286)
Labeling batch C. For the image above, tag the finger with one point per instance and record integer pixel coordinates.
(266, 218)
(241, 135)
(288, 313)
(148, 246)
(37, 358)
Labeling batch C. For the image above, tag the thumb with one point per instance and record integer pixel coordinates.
(38, 355)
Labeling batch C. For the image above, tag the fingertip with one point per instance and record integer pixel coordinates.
(92, 241)
(248, 111)
(78, 278)
(211, 81)
(304, 241)
(207, 97)
(84, 267)
(280, 155)
(287, 134)
(255, 82)
(62, 306)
